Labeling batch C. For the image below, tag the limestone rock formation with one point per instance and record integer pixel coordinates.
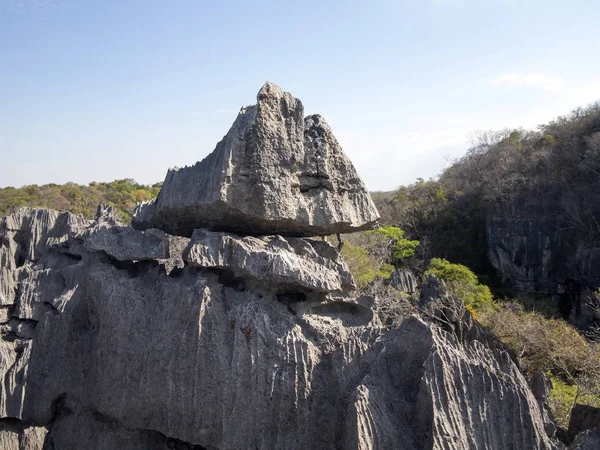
(586, 440)
(534, 248)
(124, 243)
(428, 390)
(275, 172)
(206, 329)
(230, 342)
(273, 261)
(404, 280)
(583, 417)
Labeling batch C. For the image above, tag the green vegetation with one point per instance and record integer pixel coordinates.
(563, 397)
(393, 239)
(462, 282)
(554, 347)
(362, 266)
(544, 344)
(122, 194)
(377, 253)
(553, 171)
(449, 224)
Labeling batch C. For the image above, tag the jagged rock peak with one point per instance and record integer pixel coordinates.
(275, 172)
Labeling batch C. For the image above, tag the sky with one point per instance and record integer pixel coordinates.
(106, 89)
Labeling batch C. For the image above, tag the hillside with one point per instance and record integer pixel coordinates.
(122, 194)
(521, 208)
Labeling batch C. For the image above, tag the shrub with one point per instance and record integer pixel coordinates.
(122, 194)
(554, 347)
(547, 345)
(392, 239)
(563, 397)
(362, 266)
(462, 282)
(376, 254)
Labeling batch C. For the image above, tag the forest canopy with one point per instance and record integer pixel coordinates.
(123, 195)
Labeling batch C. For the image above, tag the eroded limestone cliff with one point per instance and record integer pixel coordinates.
(121, 338)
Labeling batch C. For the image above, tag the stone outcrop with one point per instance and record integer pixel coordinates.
(275, 172)
(274, 262)
(537, 250)
(231, 342)
(125, 244)
(404, 280)
(586, 440)
(583, 417)
(428, 390)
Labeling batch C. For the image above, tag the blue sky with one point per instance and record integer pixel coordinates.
(100, 90)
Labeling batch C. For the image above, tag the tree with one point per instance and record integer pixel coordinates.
(389, 245)
(362, 266)
(377, 253)
(554, 347)
(122, 194)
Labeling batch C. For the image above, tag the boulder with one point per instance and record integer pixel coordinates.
(404, 280)
(125, 243)
(275, 172)
(586, 440)
(583, 417)
(427, 390)
(277, 263)
(540, 385)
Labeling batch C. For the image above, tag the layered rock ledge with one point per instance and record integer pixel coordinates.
(229, 342)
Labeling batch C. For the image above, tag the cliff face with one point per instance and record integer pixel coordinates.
(538, 251)
(160, 350)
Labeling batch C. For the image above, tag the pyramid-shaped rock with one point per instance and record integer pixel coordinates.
(275, 172)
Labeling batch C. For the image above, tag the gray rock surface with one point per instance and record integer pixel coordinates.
(272, 261)
(275, 172)
(428, 390)
(404, 280)
(586, 440)
(13, 436)
(126, 244)
(583, 417)
(540, 385)
(533, 247)
(206, 350)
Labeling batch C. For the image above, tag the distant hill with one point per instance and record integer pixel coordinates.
(122, 194)
(522, 206)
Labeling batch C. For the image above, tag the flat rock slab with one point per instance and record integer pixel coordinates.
(274, 262)
(127, 244)
(275, 172)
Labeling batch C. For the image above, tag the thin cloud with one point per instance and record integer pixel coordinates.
(33, 7)
(576, 93)
(226, 111)
(585, 93)
(539, 80)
